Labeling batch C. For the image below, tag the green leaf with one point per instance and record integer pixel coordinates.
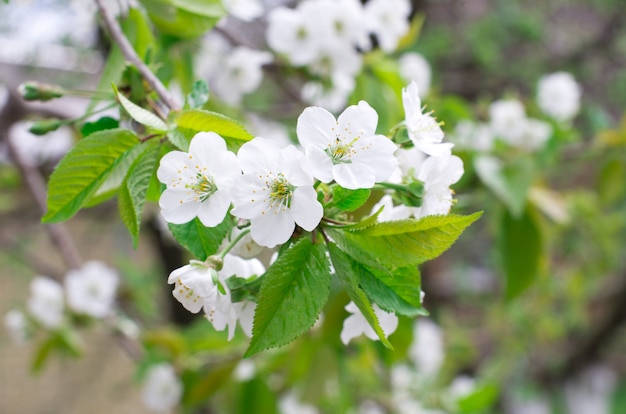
(482, 398)
(348, 271)
(200, 240)
(399, 292)
(134, 188)
(521, 247)
(402, 243)
(106, 122)
(199, 94)
(348, 200)
(184, 18)
(200, 120)
(293, 293)
(139, 114)
(83, 169)
(206, 8)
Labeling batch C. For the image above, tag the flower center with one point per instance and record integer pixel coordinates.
(280, 193)
(341, 152)
(204, 187)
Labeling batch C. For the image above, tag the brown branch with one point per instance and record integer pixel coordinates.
(129, 53)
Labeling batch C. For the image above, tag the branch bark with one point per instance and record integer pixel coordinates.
(129, 53)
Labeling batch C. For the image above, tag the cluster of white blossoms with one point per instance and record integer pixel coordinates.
(558, 97)
(199, 286)
(272, 187)
(328, 37)
(88, 291)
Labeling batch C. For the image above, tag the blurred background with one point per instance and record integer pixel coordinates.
(529, 304)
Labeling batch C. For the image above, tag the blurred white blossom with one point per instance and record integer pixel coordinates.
(162, 389)
(356, 324)
(91, 289)
(414, 67)
(388, 20)
(240, 73)
(290, 404)
(37, 150)
(45, 303)
(558, 95)
(426, 350)
(17, 326)
(591, 390)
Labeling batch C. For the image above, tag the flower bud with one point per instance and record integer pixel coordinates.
(44, 126)
(36, 91)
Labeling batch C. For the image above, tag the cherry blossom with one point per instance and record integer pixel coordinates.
(45, 303)
(437, 174)
(424, 130)
(240, 73)
(91, 289)
(193, 284)
(198, 182)
(388, 20)
(275, 192)
(162, 389)
(346, 149)
(558, 95)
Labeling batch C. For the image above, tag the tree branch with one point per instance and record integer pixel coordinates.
(129, 53)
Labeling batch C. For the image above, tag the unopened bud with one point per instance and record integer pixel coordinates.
(36, 91)
(44, 126)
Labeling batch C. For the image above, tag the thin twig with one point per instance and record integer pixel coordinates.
(129, 53)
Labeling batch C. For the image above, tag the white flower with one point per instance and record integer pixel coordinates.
(45, 303)
(507, 119)
(426, 350)
(162, 389)
(461, 387)
(245, 10)
(535, 134)
(347, 149)
(424, 130)
(345, 22)
(17, 326)
(91, 289)
(295, 33)
(388, 20)
(193, 283)
(275, 192)
(590, 391)
(289, 404)
(438, 174)
(558, 95)
(474, 136)
(219, 308)
(241, 73)
(198, 182)
(356, 324)
(244, 371)
(414, 68)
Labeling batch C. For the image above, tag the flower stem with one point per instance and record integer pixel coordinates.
(233, 243)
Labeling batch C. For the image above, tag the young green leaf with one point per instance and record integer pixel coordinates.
(293, 293)
(199, 94)
(199, 120)
(84, 169)
(200, 240)
(349, 272)
(134, 188)
(348, 200)
(521, 247)
(402, 243)
(139, 114)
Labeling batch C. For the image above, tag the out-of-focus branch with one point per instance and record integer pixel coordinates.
(129, 53)
(37, 185)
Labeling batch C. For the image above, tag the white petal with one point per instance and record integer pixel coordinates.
(360, 118)
(320, 163)
(354, 176)
(212, 211)
(411, 101)
(353, 326)
(315, 127)
(378, 155)
(435, 149)
(305, 209)
(258, 155)
(175, 209)
(272, 229)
